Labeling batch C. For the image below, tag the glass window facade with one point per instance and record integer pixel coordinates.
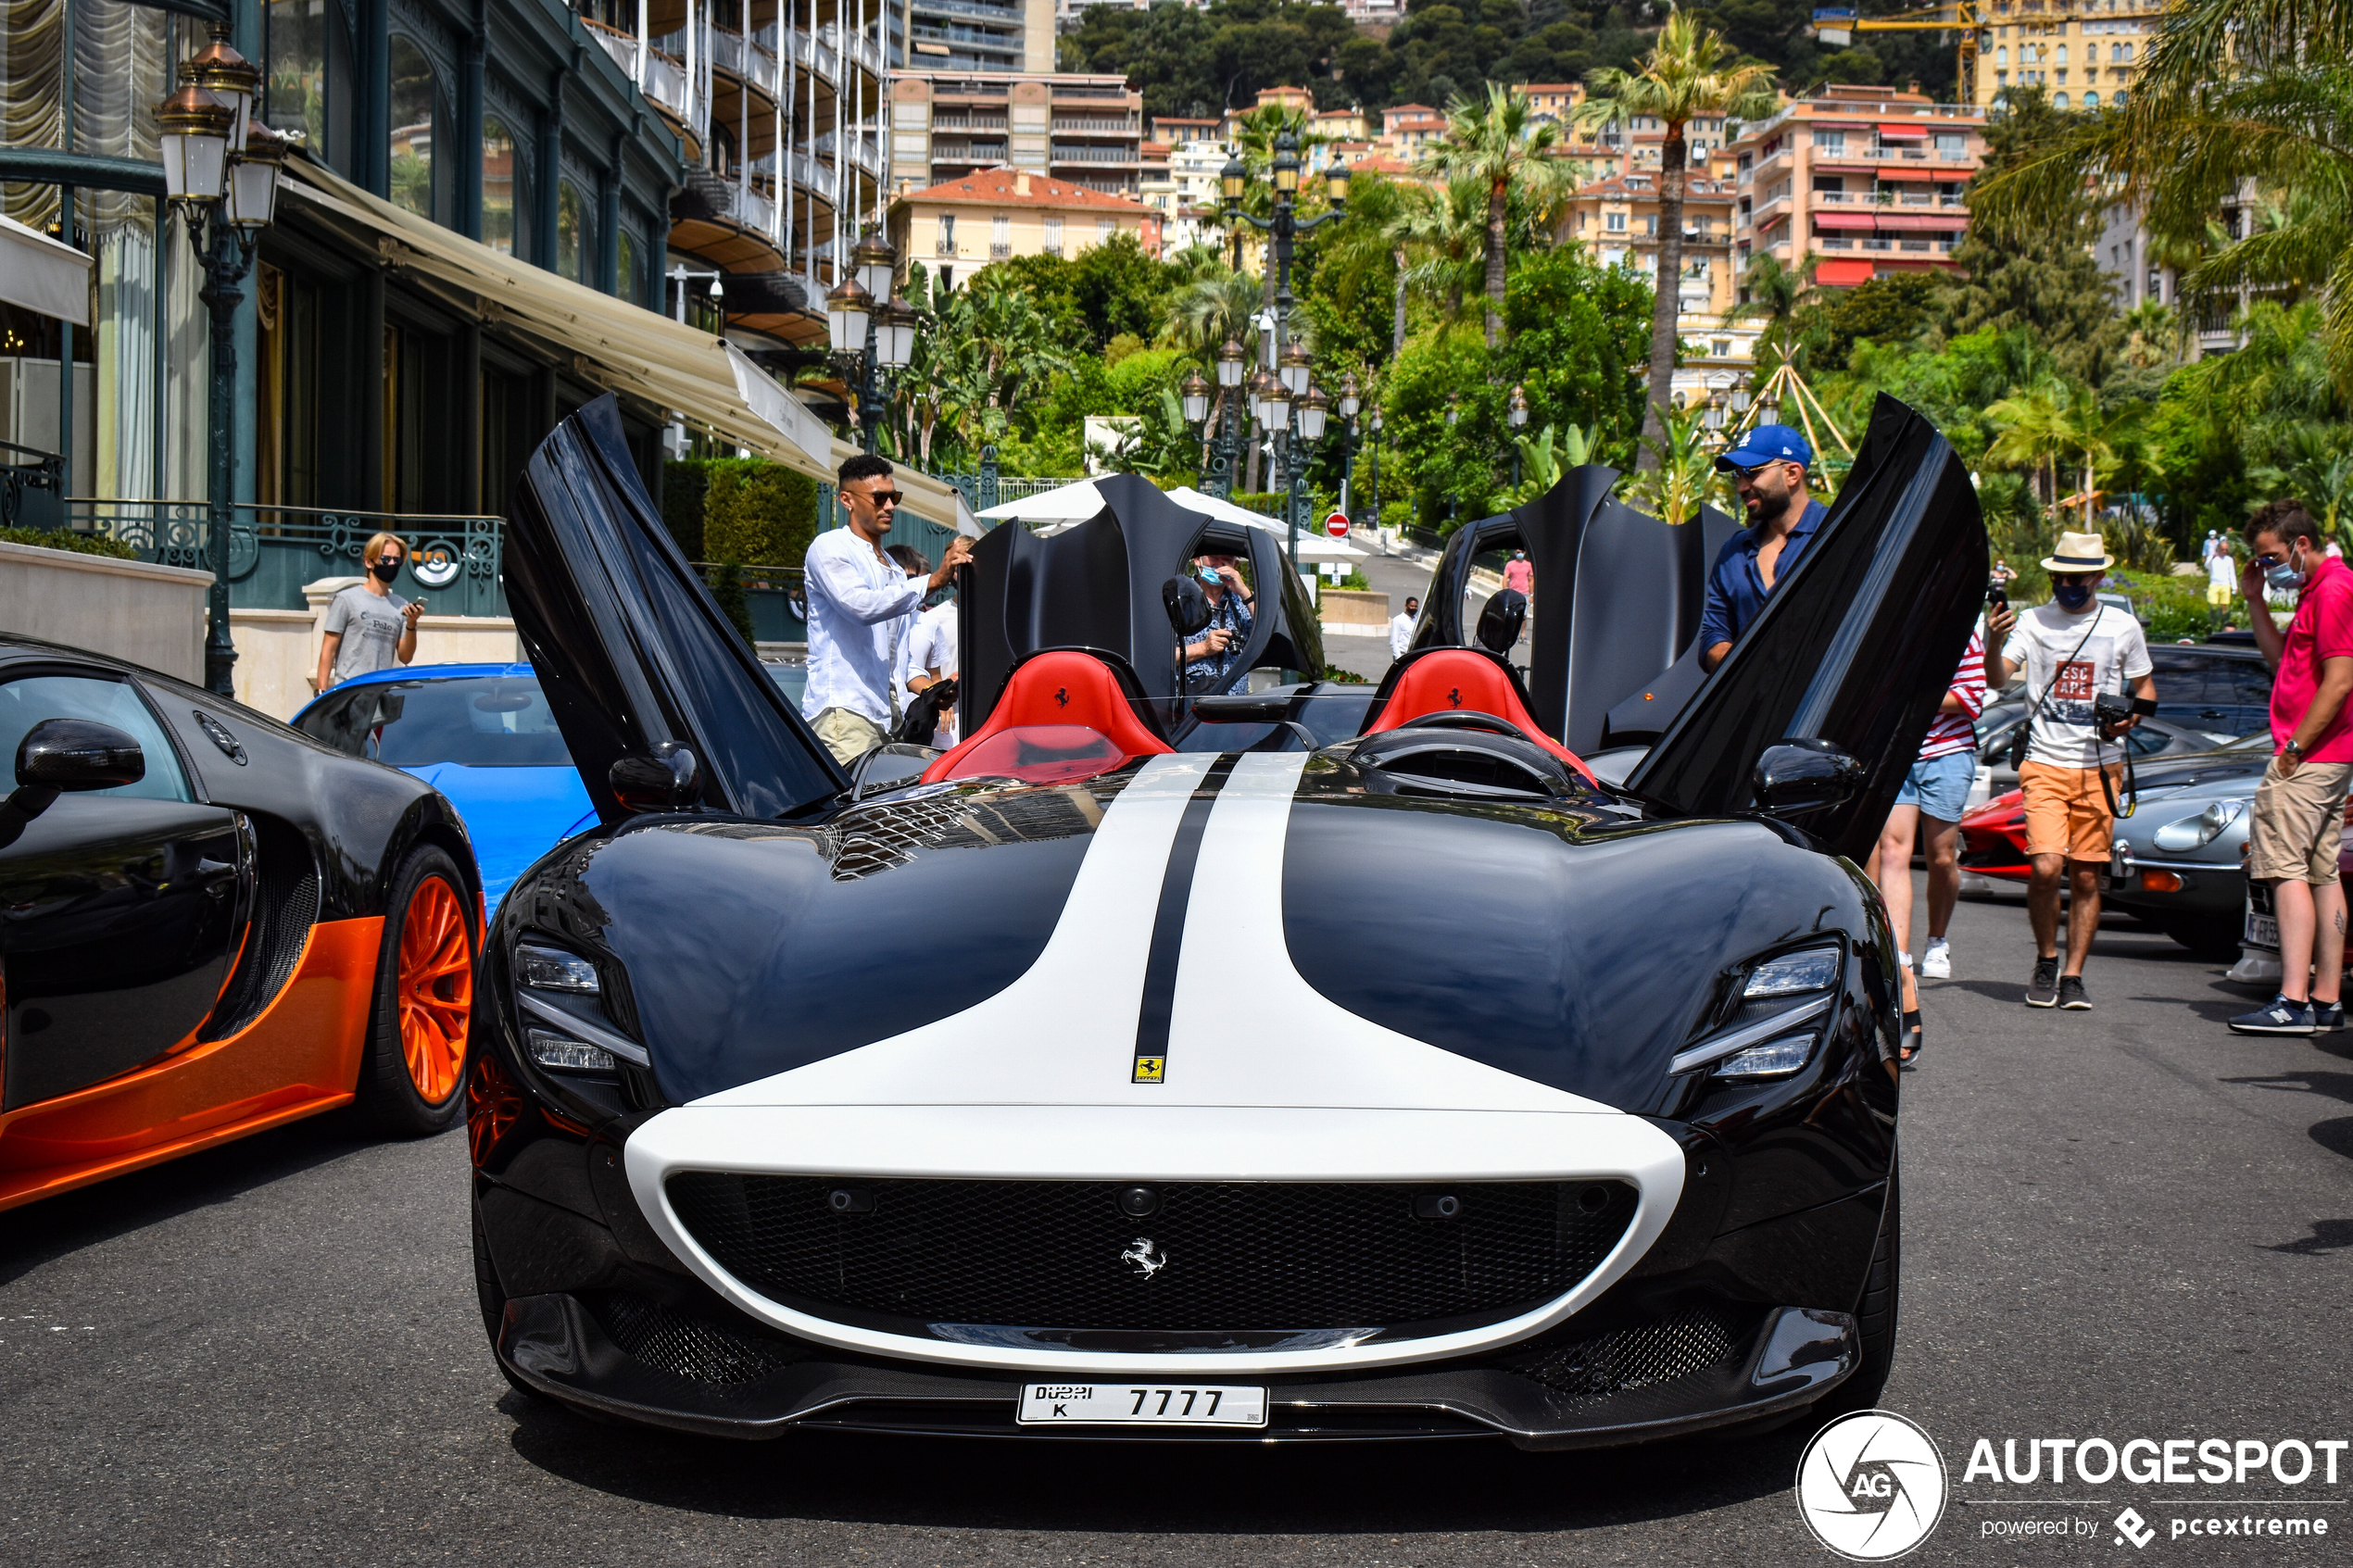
(416, 94)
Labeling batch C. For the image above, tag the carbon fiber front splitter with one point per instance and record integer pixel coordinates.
(1791, 1358)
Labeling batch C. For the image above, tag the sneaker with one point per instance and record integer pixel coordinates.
(2282, 1017)
(2043, 990)
(2071, 995)
(1937, 962)
(2327, 1017)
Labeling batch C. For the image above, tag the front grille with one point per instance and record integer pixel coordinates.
(1232, 1256)
(1639, 1357)
(671, 1341)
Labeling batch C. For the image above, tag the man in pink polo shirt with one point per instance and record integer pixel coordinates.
(2300, 806)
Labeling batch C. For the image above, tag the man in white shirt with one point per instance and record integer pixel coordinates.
(855, 594)
(2222, 572)
(932, 657)
(1400, 628)
(2074, 650)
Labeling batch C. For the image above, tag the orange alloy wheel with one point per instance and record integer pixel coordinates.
(436, 989)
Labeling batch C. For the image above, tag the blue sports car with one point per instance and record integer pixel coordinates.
(481, 734)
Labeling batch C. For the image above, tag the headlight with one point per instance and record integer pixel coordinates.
(565, 1054)
(2195, 833)
(1811, 969)
(566, 1026)
(1785, 1002)
(552, 968)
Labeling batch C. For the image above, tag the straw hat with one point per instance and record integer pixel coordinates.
(2079, 552)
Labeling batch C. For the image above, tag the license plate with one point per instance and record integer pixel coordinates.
(2262, 931)
(1141, 1404)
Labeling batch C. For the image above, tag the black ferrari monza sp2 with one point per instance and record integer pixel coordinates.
(1019, 1088)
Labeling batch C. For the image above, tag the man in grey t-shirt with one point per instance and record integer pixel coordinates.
(368, 626)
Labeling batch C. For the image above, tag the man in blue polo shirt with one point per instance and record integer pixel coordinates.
(1768, 474)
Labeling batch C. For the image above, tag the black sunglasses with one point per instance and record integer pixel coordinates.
(882, 497)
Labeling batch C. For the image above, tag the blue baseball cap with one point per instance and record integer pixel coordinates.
(1767, 444)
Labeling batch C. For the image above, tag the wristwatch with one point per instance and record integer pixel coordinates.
(2293, 750)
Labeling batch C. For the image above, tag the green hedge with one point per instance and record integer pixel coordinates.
(66, 539)
(742, 510)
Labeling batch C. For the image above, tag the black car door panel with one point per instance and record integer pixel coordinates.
(121, 909)
(119, 918)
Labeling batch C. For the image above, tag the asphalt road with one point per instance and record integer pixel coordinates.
(2124, 1222)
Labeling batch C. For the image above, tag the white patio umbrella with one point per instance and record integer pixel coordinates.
(1071, 503)
(1322, 546)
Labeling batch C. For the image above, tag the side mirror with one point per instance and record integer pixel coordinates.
(61, 755)
(1189, 609)
(1500, 622)
(66, 754)
(889, 766)
(1804, 775)
(668, 780)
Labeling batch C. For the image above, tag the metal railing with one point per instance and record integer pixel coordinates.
(455, 562)
(29, 489)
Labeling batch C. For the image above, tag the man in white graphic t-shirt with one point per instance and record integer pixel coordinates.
(2074, 650)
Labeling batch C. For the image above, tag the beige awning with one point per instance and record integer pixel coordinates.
(43, 275)
(700, 378)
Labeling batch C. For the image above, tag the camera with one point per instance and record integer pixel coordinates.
(1997, 595)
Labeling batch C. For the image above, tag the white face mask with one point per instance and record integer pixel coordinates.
(2288, 575)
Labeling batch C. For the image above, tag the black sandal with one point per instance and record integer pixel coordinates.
(1910, 1052)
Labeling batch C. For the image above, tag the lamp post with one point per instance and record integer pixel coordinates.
(1453, 415)
(1373, 424)
(1289, 356)
(861, 312)
(1517, 416)
(221, 169)
(1231, 362)
(1349, 401)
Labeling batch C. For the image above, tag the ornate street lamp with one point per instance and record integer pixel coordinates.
(875, 264)
(1454, 414)
(1313, 411)
(848, 308)
(220, 172)
(1194, 394)
(1373, 424)
(1283, 227)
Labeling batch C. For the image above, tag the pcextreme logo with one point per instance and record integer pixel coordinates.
(1871, 1485)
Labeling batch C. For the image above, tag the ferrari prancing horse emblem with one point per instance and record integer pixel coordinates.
(1149, 1260)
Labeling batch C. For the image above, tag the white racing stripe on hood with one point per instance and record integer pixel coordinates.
(1246, 1030)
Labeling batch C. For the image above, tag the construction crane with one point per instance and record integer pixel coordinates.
(1839, 24)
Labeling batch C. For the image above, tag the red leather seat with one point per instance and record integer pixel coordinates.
(1449, 680)
(1063, 715)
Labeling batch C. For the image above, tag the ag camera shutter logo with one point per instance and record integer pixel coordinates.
(1871, 1485)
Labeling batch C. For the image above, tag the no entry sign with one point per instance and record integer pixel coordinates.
(1337, 525)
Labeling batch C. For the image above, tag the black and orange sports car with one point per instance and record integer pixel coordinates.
(212, 924)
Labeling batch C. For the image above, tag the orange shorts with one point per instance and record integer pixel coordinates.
(2066, 810)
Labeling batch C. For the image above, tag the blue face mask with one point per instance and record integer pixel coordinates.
(2284, 577)
(2071, 595)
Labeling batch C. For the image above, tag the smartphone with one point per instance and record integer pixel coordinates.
(1998, 597)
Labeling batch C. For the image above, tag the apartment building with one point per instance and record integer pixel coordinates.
(1086, 131)
(1408, 127)
(1615, 217)
(1869, 179)
(1555, 100)
(961, 226)
(978, 36)
(2083, 55)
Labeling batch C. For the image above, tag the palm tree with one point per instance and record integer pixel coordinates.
(2034, 433)
(1775, 293)
(1496, 146)
(1691, 71)
(2232, 92)
(1449, 236)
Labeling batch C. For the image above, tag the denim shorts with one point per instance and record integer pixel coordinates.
(1939, 786)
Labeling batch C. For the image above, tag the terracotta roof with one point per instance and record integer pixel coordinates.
(997, 187)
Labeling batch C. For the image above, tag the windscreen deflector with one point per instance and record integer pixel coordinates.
(629, 645)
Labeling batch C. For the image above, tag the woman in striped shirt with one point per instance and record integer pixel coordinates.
(1934, 795)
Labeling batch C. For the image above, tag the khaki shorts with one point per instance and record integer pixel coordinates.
(2297, 823)
(848, 734)
(2066, 811)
